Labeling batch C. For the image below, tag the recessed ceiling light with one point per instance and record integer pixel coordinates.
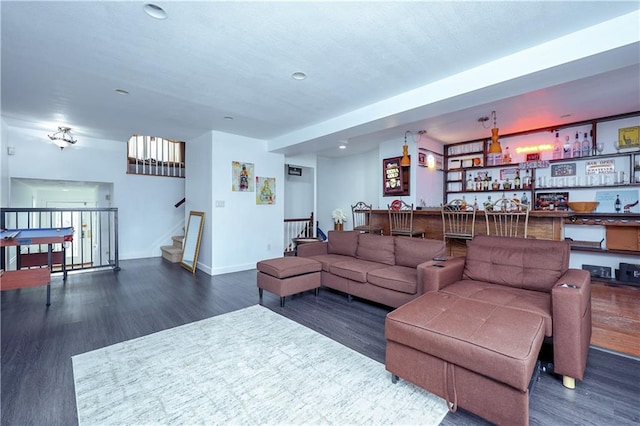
(298, 75)
(122, 91)
(229, 118)
(155, 11)
(342, 147)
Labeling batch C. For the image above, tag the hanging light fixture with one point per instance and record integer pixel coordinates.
(406, 161)
(62, 138)
(495, 147)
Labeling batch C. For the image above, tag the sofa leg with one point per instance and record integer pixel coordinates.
(282, 302)
(394, 378)
(260, 293)
(568, 382)
(349, 298)
(317, 291)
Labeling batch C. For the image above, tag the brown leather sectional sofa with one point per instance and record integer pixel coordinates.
(382, 269)
(468, 329)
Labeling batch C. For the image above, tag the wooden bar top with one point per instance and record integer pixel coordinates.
(536, 213)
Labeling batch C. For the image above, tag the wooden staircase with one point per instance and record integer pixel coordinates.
(173, 253)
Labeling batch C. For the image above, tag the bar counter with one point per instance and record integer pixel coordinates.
(542, 224)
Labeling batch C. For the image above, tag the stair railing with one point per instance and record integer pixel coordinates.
(297, 228)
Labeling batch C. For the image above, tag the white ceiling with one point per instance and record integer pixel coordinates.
(374, 69)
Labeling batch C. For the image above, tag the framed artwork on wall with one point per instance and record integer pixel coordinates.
(266, 190)
(629, 137)
(242, 178)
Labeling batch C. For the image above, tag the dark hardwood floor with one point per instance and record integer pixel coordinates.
(93, 310)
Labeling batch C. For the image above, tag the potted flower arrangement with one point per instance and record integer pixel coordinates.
(339, 218)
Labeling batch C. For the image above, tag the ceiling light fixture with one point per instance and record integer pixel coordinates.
(62, 138)
(122, 91)
(155, 11)
(228, 118)
(298, 75)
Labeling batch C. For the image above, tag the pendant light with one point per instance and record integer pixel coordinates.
(495, 147)
(406, 161)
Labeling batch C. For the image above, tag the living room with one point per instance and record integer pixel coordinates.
(238, 232)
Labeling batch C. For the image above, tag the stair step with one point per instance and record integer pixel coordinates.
(177, 241)
(171, 253)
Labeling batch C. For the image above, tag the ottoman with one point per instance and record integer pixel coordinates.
(476, 355)
(289, 275)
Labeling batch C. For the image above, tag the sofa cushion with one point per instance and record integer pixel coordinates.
(516, 262)
(398, 278)
(288, 266)
(329, 259)
(537, 302)
(343, 242)
(494, 341)
(413, 251)
(355, 269)
(376, 248)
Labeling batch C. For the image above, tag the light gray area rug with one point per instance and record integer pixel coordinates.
(250, 366)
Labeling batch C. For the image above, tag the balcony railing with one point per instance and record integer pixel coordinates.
(95, 238)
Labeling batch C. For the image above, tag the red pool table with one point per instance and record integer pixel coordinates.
(11, 280)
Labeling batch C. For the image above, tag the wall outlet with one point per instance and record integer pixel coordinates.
(219, 203)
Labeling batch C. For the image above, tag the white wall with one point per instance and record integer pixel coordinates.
(4, 165)
(198, 192)
(299, 193)
(242, 231)
(429, 182)
(343, 182)
(146, 216)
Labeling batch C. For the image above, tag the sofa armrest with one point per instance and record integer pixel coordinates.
(433, 278)
(312, 249)
(571, 305)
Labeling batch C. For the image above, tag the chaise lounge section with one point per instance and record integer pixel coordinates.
(475, 335)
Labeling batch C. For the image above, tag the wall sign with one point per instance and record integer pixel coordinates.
(558, 170)
(294, 171)
(601, 167)
(394, 177)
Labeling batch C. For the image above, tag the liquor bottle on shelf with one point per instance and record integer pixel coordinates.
(507, 156)
(617, 204)
(488, 205)
(516, 181)
(526, 182)
(586, 146)
(470, 183)
(504, 203)
(566, 148)
(557, 148)
(475, 203)
(495, 185)
(576, 149)
(463, 204)
(524, 200)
